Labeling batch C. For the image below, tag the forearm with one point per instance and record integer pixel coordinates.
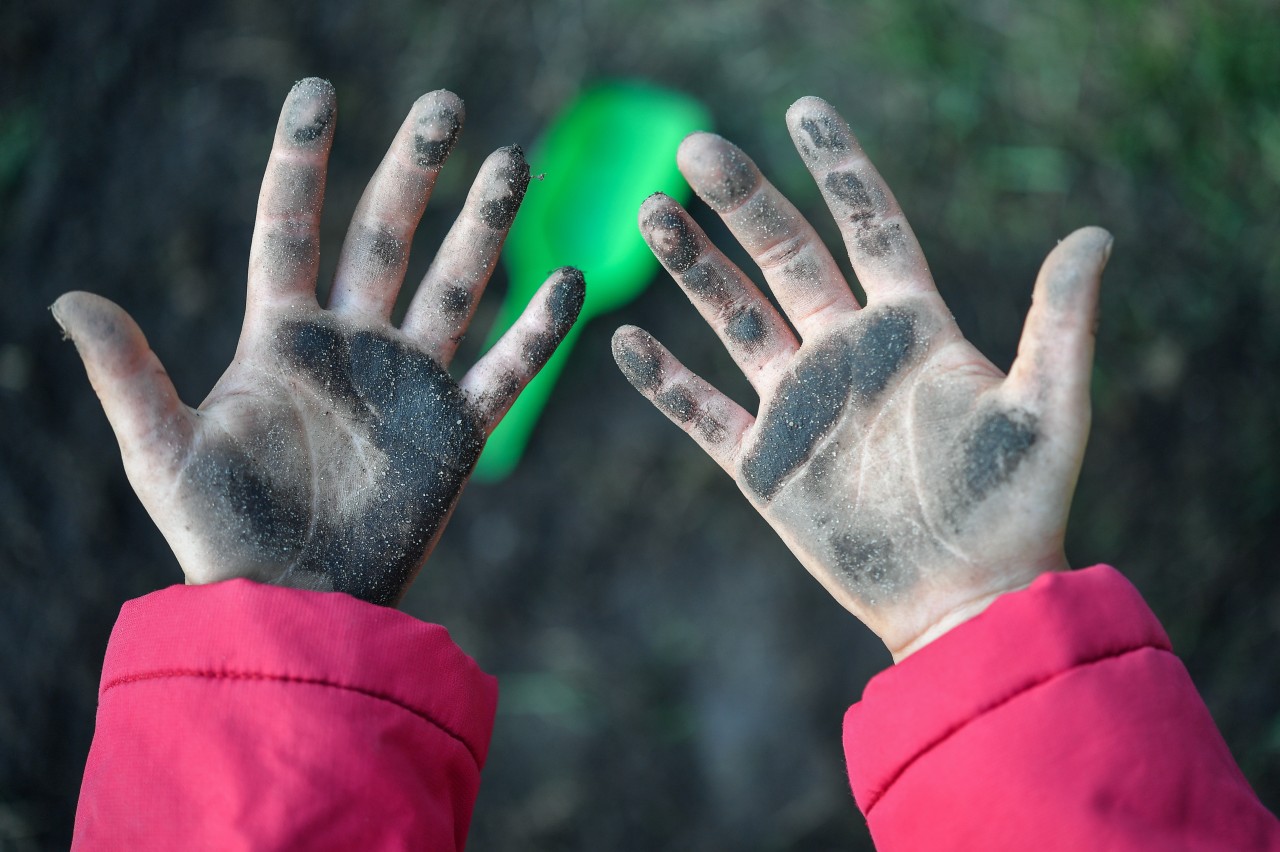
(242, 715)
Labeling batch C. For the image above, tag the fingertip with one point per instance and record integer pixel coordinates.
(692, 150)
(309, 111)
(654, 202)
(620, 336)
(83, 315)
(1093, 238)
(58, 311)
(564, 302)
(670, 233)
(441, 100)
(504, 189)
(1055, 353)
(1075, 265)
(639, 357)
(516, 162)
(313, 85)
(806, 105)
(438, 117)
(139, 400)
(695, 138)
(719, 171)
(818, 131)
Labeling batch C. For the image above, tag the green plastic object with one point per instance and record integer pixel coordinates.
(608, 150)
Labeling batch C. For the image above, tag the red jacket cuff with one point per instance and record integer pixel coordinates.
(252, 631)
(1060, 622)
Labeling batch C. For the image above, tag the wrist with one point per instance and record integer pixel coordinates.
(949, 621)
(947, 615)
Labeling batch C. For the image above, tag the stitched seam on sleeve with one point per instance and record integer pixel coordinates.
(987, 708)
(220, 674)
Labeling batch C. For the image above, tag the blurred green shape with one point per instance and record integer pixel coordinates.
(608, 150)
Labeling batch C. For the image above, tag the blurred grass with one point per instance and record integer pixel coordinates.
(673, 679)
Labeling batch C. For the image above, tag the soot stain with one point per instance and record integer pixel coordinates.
(737, 178)
(538, 349)
(267, 522)
(678, 402)
(420, 419)
(880, 351)
(882, 240)
(673, 239)
(995, 449)
(711, 429)
(430, 147)
(307, 119)
(854, 192)
(288, 253)
(512, 180)
(455, 301)
(385, 249)
(709, 283)
(818, 473)
(867, 563)
(498, 396)
(747, 327)
(507, 386)
(321, 353)
(811, 398)
(565, 301)
(804, 409)
(824, 134)
(640, 360)
(769, 223)
(802, 269)
(865, 205)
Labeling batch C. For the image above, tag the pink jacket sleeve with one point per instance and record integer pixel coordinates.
(243, 716)
(1057, 719)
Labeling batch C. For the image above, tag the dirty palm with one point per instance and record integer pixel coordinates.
(910, 476)
(332, 451)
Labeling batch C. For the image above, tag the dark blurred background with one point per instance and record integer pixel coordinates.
(671, 678)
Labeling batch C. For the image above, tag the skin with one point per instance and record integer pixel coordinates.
(912, 478)
(332, 451)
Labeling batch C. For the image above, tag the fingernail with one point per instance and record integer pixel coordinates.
(56, 312)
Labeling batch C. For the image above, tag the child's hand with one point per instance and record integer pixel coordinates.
(910, 476)
(333, 449)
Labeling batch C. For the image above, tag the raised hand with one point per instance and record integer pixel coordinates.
(908, 474)
(332, 451)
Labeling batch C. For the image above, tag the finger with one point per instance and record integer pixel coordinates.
(497, 379)
(376, 250)
(286, 234)
(1055, 354)
(150, 422)
(442, 307)
(885, 254)
(716, 422)
(799, 269)
(753, 332)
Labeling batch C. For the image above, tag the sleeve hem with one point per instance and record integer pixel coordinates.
(244, 630)
(223, 674)
(995, 705)
(1024, 639)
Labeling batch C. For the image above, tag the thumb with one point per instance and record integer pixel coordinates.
(135, 391)
(1055, 354)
